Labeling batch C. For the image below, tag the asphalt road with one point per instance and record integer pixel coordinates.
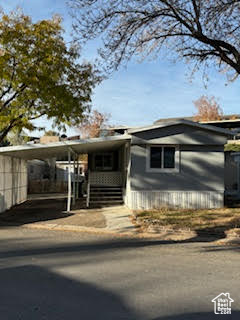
(62, 275)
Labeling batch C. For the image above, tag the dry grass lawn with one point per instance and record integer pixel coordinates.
(228, 218)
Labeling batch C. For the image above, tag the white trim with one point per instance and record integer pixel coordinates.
(163, 170)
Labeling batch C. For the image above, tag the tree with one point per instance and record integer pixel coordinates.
(207, 109)
(40, 75)
(93, 124)
(17, 137)
(200, 31)
(51, 133)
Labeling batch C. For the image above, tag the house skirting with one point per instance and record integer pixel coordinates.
(148, 199)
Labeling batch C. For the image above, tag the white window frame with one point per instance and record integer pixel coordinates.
(163, 170)
(103, 168)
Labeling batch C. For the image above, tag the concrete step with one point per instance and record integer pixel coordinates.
(105, 189)
(106, 192)
(105, 198)
(106, 202)
(104, 205)
(104, 186)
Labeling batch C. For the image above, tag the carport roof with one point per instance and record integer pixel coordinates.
(44, 151)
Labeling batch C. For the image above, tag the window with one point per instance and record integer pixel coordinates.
(104, 162)
(169, 157)
(162, 159)
(156, 157)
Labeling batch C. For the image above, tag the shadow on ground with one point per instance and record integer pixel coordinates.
(54, 211)
(93, 249)
(51, 211)
(32, 292)
(33, 211)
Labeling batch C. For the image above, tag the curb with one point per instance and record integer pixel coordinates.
(99, 231)
(91, 230)
(138, 235)
(56, 227)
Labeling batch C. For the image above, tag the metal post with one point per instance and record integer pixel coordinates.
(74, 181)
(77, 178)
(69, 182)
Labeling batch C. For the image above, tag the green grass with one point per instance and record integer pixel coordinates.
(192, 219)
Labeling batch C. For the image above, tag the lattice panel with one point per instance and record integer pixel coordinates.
(106, 178)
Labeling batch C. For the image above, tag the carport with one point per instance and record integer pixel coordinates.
(45, 151)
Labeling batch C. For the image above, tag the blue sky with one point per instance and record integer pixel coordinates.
(142, 92)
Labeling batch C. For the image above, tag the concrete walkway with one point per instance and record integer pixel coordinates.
(118, 219)
(117, 222)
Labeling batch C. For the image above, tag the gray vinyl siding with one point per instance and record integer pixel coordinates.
(179, 134)
(198, 180)
(200, 169)
(230, 173)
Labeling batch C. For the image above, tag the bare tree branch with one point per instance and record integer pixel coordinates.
(143, 27)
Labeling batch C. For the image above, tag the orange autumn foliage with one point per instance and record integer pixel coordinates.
(93, 124)
(207, 109)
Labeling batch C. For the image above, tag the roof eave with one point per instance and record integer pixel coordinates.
(186, 122)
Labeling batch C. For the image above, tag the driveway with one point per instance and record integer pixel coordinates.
(63, 275)
(49, 211)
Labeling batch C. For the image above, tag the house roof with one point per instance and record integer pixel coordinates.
(225, 123)
(224, 117)
(50, 150)
(185, 122)
(173, 119)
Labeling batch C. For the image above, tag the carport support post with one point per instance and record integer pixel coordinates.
(77, 177)
(69, 182)
(74, 180)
